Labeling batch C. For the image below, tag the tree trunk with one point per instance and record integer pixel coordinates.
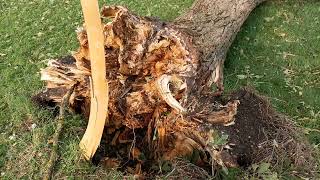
(159, 75)
(213, 26)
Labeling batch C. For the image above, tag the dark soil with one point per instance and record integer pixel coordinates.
(259, 134)
(250, 126)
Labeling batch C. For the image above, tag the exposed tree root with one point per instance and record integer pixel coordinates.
(150, 69)
(159, 108)
(55, 139)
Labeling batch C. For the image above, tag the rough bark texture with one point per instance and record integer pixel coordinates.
(213, 25)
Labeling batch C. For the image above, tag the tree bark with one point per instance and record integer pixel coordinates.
(213, 25)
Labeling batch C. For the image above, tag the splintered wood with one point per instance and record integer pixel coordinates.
(151, 68)
(98, 84)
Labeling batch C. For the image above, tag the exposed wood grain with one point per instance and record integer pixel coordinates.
(99, 86)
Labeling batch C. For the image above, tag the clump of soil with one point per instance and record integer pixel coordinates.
(259, 135)
(262, 134)
(254, 125)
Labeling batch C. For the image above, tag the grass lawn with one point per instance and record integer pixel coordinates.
(277, 52)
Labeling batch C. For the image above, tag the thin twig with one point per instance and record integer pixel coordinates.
(133, 144)
(54, 152)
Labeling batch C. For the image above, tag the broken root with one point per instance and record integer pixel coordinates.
(60, 121)
(155, 112)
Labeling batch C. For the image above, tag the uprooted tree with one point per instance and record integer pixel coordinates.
(160, 75)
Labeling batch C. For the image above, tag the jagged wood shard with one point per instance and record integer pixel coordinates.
(98, 84)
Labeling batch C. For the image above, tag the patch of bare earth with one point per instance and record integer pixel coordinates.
(259, 134)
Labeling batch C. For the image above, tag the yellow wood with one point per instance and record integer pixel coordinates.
(99, 86)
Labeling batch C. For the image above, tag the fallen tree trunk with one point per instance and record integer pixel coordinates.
(213, 26)
(159, 76)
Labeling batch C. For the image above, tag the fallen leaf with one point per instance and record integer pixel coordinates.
(269, 19)
(40, 34)
(258, 76)
(263, 167)
(136, 153)
(282, 34)
(241, 76)
(110, 163)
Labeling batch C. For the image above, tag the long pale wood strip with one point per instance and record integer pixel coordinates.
(99, 86)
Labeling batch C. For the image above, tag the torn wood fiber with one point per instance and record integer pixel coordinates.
(157, 73)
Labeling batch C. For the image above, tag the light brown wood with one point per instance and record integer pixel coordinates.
(99, 86)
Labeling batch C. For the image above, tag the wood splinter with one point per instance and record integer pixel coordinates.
(99, 86)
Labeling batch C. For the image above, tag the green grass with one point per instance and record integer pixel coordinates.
(277, 52)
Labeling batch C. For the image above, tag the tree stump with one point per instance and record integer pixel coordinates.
(160, 75)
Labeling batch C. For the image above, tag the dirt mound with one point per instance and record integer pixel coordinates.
(259, 135)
